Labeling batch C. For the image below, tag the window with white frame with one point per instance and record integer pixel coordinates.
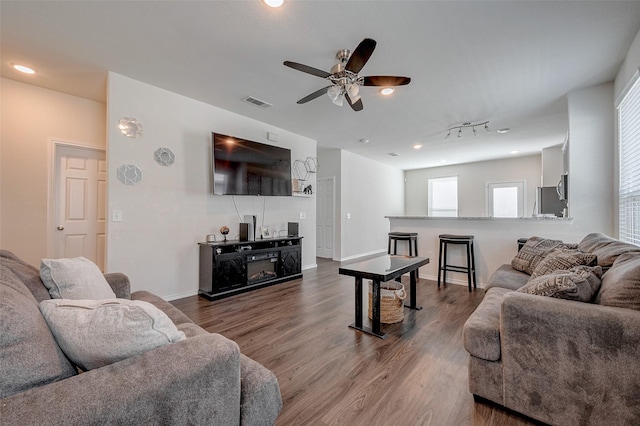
(443, 197)
(505, 199)
(629, 156)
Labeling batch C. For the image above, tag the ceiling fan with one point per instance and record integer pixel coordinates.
(344, 78)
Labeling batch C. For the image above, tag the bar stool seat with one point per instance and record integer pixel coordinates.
(469, 269)
(411, 237)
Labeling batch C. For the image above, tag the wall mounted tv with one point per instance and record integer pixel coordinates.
(243, 167)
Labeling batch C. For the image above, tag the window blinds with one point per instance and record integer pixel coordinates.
(629, 150)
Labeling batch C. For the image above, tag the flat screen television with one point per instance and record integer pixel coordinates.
(243, 167)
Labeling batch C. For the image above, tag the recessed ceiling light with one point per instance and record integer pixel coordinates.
(443, 161)
(23, 69)
(364, 140)
(387, 91)
(273, 3)
(515, 152)
(393, 154)
(417, 146)
(504, 130)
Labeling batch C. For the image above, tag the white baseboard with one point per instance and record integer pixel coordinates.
(357, 256)
(180, 295)
(450, 281)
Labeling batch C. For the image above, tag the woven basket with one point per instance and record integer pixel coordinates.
(392, 295)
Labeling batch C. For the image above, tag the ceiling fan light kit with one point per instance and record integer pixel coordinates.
(469, 125)
(344, 78)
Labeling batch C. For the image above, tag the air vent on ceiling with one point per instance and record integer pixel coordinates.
(257, 102)
(393, 154)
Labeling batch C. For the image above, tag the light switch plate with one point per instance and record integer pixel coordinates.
(116, 216)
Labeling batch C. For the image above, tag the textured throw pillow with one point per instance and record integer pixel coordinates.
(578, 283)
(562, 259)
(77, 278)
(94, 333)
(532, 252)
(621, 283)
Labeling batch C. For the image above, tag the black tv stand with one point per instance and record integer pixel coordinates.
(233, 267)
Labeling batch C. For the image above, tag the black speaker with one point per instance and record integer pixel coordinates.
(292, 229)
(244, 232)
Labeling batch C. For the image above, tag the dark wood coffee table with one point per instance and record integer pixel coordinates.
(378, 269)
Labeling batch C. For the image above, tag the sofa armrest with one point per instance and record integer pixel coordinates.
(195, 381)
(568, 362)
(120, 284)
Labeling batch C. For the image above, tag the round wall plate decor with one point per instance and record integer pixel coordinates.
(130, 127)
(129, 174)
(164, 156)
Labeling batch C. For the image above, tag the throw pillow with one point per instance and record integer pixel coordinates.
(94, 333)
(77, 278)
(621, 283)
(532, 252)
(578, 283)
(563, 259)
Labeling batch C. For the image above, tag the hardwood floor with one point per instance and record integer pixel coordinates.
(330, 374)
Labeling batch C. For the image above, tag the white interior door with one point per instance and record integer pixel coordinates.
(325, 217)
(80, 194)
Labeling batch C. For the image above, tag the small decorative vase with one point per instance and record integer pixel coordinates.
(224, 230)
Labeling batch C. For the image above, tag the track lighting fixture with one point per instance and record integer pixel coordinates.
(467, 125)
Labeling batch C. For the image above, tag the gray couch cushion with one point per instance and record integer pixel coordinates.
(76, 278)
(28, 274)
(481, 331)
(580, 283)
(621, 284)
(95, 333)
(507, 277)
(29, 355)
(260, 400)
(607, 249)
(174, 313)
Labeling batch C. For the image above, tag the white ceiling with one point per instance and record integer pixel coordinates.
(511, 63)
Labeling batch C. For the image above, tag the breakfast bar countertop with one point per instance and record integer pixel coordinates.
(533, 219)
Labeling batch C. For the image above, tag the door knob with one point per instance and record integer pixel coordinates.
(60, 228)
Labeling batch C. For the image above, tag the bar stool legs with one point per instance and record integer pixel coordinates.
(443, 266)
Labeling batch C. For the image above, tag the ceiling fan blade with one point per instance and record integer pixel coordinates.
(307, 69)
(361, 55)
(385, 80)
(356, 106)
(314, 95)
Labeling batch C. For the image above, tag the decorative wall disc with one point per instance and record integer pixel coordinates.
(129, 174)
(130, 127)
(164, 156)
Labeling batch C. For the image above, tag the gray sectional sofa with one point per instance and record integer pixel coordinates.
(562, 362)
(203, 379)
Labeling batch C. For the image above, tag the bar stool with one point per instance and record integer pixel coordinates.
(470, 269)
(411, 237)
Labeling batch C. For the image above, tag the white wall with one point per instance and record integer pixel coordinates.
(370, 191)
(172, 208)
(629, 67)
(367, 191)
(552, 165)
(32, 117)
(591, 159)
(472, 181)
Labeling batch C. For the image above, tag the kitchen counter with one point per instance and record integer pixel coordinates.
(495, 239)
(525, 219)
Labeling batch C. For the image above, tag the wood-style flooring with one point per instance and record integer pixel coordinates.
(330, 374)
